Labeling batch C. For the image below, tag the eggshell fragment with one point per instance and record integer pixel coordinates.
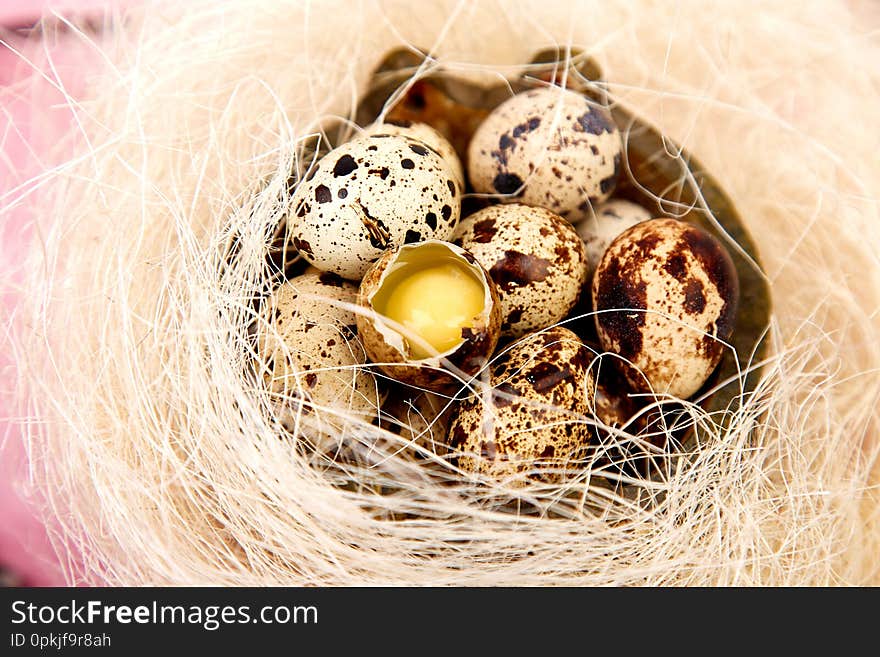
(535, 258)
(665, 295)
(392, 351)
(548, 147)
(373, 193)
(532, 421)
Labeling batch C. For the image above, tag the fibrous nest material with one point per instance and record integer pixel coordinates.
(156, 448)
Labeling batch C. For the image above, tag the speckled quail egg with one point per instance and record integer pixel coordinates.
(532, 421)
(428, 136)
(434, 315)
(610, 219)
(615, 406)
(535, 258)
(665, 295)
(371, 194)
(634, 436)
(548, 147)
(308, 355)
(422, 418)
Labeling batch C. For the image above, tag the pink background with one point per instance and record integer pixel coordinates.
(29, 126)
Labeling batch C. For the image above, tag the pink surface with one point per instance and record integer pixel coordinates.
(32, 119)
(21, 13)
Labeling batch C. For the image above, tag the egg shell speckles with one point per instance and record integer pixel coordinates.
(610, 220)
(370, 194)
(428, 136)
(469, 357)
(677, 289)
(548, 147)
(541, 393)
(535, 258)
(308, 350)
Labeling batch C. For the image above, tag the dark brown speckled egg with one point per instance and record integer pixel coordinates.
(665, 295)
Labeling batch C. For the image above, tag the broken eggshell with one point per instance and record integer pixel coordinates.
(393, 351)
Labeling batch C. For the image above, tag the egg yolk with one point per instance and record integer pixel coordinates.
(436, 302)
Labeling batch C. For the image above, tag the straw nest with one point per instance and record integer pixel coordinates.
(157, 448)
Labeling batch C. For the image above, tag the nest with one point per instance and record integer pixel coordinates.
(160, 454)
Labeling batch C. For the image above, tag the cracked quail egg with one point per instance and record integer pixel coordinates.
(548, 147)
(609, 220)
(665, 295)
(309, 358)
(373, 193)
(535, 258)
(531, 420)
(434, 313)
(428, 136)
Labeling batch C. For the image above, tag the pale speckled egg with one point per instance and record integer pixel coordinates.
(548, 147)
(309, 355)
(532, 422)
(665, 295)
(535, 258)
(371, 194)
(389, 348)
(428, 136)
(601, 228)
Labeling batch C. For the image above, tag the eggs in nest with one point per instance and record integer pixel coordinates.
(437, 295)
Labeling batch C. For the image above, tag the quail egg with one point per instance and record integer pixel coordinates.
(532, 419)
(420, 417)
(373, 193)
(609, 220)
(535, 258)
(428, 136)
(310, 358)
(548, 147)
(433, 314)
(665, 295)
